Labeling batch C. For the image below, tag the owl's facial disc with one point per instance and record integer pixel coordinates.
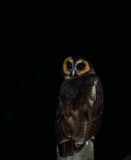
(74, 69)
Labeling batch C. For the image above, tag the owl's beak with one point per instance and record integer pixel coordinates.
(74, 73)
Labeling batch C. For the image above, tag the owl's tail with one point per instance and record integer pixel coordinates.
(87, 153)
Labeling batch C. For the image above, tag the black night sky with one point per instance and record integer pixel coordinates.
(35, 38)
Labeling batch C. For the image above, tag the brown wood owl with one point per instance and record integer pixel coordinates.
(80, 106)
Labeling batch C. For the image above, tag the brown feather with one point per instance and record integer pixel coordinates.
(79, 113)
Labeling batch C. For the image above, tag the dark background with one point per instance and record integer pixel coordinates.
(35, 38)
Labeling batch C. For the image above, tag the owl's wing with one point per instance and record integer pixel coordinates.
(63, 133)
(94, 111)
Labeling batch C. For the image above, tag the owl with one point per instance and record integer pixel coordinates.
(80, 106)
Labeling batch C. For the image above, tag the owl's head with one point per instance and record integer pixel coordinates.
(74, 67)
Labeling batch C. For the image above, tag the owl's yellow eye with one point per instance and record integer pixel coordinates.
(80, 66)
(69, 65)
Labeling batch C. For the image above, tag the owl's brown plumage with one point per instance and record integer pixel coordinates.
(80, 106)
